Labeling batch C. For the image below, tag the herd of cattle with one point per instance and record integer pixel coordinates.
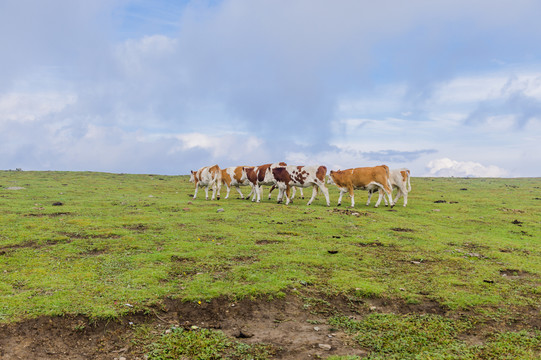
(288, 178)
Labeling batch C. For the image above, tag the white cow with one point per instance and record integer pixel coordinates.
(208, 176)
(400, 179)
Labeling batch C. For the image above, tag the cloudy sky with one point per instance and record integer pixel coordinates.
(444, 88)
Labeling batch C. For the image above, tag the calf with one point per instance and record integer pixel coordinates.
(300, 176)
(366, 178)
(232, 176)
(208, 176)
(400, 179)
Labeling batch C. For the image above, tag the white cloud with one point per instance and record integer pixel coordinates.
(448, 167)
(24, 107)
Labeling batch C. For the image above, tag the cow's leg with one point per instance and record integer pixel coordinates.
(314, 193)
(227, 192)
(206, 192)
(238, 190)
(342, 192)
(405, 194)
(389, 192)
(380, 196)
(195, 192)
(281, 191)
(287, 190)
(213, 191)
(294, 188)
(259, 193)
(352, 196)
(302, 193)
(272, 188)
(370, 192)
(218, 186)
(325, 192)
(252, 191)
(398, 194)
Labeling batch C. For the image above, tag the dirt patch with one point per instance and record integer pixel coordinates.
(136, 227)
(55, 214)
(514, 274)
(294, 326)
(267, 242)
(349, 212)
(402, 229)
(372, 244)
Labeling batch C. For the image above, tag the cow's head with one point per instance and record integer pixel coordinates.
(192, 176)
(330, 179)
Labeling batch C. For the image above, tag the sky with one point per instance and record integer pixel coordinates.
(443, 88)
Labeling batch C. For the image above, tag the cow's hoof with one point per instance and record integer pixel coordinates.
(339, 204)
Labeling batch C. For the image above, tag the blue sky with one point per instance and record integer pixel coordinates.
(444, 88)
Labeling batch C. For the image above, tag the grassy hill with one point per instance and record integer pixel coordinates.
(106, 245)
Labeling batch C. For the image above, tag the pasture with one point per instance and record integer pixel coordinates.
(99, 265)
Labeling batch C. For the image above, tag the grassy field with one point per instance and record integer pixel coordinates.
(106, 245)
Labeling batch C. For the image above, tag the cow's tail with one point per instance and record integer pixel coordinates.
(409, 185)
(388, 177)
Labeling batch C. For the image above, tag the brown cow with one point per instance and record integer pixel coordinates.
(366, 178)
(400, 179)
(232, 176)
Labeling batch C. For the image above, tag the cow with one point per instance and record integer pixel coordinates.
(400, 179)
(300, 176)
(232, 176)
(259, 176)
(365, 178)
(208, 176)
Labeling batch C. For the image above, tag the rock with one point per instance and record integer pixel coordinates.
(220, 210)
(325, 347)
(316, 328)
(243, 334)
(15, 188)
(58, 203)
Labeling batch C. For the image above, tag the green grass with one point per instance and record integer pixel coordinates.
(202, 344)
(120, 243)
(390, 336)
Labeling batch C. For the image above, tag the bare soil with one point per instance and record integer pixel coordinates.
(295, 326)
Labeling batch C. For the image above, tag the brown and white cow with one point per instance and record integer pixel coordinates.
(259, 176)
(366, 178)
(232, 176)
(208, 176)
(300, 176)
(400, 179)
